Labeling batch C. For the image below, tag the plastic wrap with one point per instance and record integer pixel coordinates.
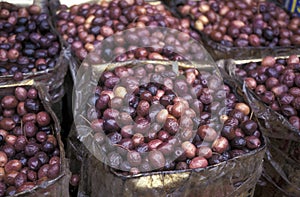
(59, 186)
(236, 177)
(53, 78)
(281, 163)
(219, 51)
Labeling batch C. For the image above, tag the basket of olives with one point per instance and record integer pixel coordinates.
(32, 157)
(271, 86)
(243, 29)
(86, 24)
(162, 128)
(30, 47)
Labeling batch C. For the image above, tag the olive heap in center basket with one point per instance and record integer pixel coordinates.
(169, 122)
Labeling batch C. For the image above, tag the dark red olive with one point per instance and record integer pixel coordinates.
(143, 108)
(7, 124)
(228, 132)
(296, 103)
(288, 110)
(237, 114)
(252, 142)
(260, 89)
(9, 102)
(157, 159)
(279, 90)
(102, 102)
(53, 170)
(271, 82)
(31, 149)
(114, 159)
(20, 179)
(238, 142)
(43, 118)
(42, 157)
(110, 125)
(207, 133)
(268, 97)
(32, 93)
(30, 129)
(34, 163)
(249, 127)
(20, 143)
(250, 83)
(295, 121)
(171, 126)
(126, 143)
(134, 158)
(286, 99)
(32, 175)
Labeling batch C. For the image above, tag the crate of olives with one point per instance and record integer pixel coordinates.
(271, 86)
(32, 157)
(86, 24)
(243, 29)
(30, 47)
(164, 128)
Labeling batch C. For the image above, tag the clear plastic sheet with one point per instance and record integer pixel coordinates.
(236, 177)
(52, 78)
(59, 186)
(219, 51)
(281, 163)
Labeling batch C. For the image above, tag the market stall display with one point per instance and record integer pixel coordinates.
(171, 98)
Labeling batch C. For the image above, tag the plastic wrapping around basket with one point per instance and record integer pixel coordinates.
(53, 78)
(219, 51)
(59, 186)
(236, 177)
(282, 161)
